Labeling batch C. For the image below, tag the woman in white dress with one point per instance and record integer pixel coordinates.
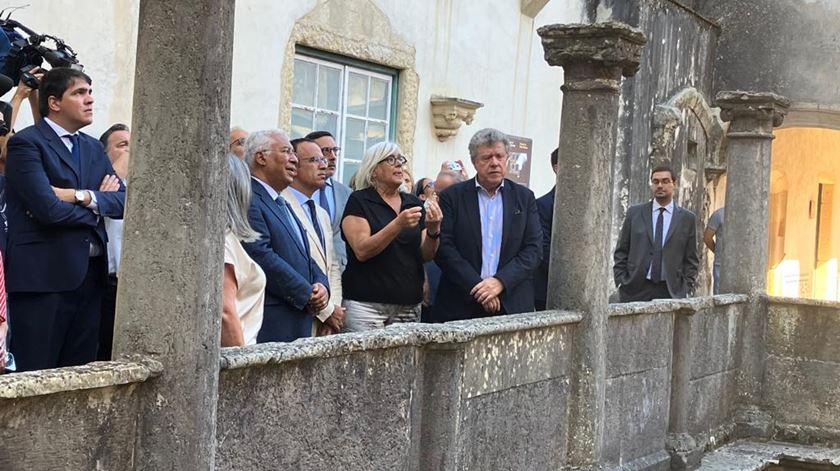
(243, 291)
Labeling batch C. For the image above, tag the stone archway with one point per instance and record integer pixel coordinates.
(360, 30)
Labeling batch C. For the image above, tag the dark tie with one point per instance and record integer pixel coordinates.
(656, 264)
(290, 219)
(76, 151)
(322, 200)
(314, 216)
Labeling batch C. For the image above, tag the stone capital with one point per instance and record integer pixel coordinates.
(449, 113)
(608, 50)
(759, 108)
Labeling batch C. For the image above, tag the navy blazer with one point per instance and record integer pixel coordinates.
(459, 253)
(49, 240)
(545, 208)
(289, 270)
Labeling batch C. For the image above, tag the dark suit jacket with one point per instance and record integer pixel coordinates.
(634, 250)
(459, 253)
(341, 193)
(289, 271)
(48, 243)
(545, 208)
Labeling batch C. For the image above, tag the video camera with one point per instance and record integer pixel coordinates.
(21, 50)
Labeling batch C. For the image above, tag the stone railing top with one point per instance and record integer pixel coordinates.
(611, 44)
(402, 335)
(680, 306)
(747, 103)
(803, 302)
(93, 375)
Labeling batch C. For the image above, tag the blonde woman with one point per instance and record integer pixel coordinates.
(243, 292)
(389, 235)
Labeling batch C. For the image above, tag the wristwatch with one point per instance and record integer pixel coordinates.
(80, 196)
(433, 235)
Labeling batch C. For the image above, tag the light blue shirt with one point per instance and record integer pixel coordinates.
(330, 194)
(491, 212)
(299, 231)
(666, 223)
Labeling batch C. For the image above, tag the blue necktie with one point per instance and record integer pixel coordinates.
(314, 216)
(76, 151)
(291, 220)
(656, 264)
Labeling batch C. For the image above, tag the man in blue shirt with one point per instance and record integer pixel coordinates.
(491, 241)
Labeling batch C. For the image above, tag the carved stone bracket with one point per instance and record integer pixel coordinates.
(449, 113)
(670, 117)
(611, 45)
(752, 114)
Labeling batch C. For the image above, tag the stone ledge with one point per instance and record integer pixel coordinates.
(404, 335)
(99, 374)
(754, 456)
(803, 302)
(680, 306)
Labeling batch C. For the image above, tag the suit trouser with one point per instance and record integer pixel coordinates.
(646, 292)
(106, 321)
(51, 330)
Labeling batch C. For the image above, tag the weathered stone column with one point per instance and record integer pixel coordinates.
(752, 117)
(594, 58)
(169, 298)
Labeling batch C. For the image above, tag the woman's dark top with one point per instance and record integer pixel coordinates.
(395, 275)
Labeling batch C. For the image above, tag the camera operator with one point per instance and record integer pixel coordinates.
(22, 92)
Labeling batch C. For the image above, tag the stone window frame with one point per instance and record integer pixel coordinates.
(349, 65)
(393, 53)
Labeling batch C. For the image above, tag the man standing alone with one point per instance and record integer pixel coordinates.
(656, 253)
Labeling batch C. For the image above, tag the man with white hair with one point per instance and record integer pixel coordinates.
(296, 289)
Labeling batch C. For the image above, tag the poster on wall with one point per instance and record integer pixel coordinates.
(519, 160)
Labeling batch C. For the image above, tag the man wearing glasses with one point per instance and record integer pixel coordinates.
(237, 141)
(333, 197)
(311, 177)
(296, 289)
(491, 240)
(656, 253)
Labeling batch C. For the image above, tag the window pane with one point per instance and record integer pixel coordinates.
(375, 133)
(379, 91)
(326, 122)
(301, 123)
(354, 139)
(357, 94)
(329, 88)
(348, 170)
(304, 83)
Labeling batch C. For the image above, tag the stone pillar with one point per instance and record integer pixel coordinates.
(169, 298)
(594, 57)
(751, 117)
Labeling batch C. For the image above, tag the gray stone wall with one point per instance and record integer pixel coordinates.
(802, 385)
(789, 47)
(454, 396)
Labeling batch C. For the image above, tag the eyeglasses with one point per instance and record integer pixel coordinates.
(393, 160)
(238, 142)
(332, 150)
(316, 159)
(283, 150)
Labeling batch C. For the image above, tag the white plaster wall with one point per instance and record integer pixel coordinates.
(483, 51)
(104, 36)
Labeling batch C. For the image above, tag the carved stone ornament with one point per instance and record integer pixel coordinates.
(609, 44)
(752, 105)
(449, 113)
(670, 117)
